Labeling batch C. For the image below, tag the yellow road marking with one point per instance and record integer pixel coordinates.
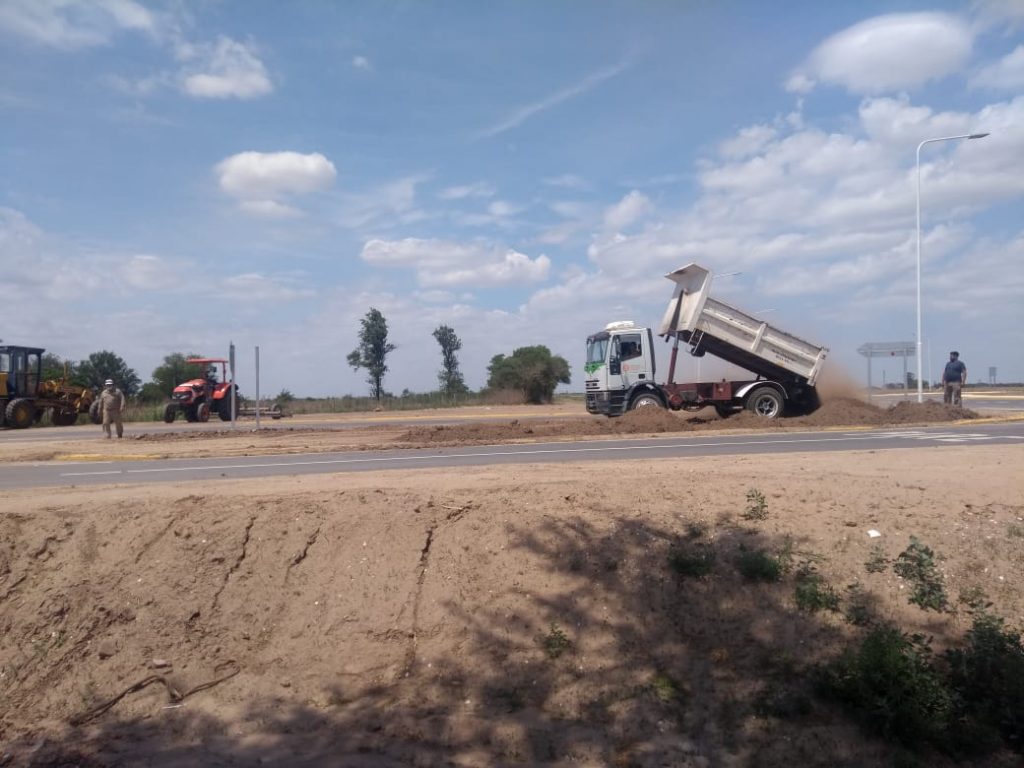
(105, 457)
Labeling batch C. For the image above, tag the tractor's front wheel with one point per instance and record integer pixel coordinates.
(170, 411)
(20, 413)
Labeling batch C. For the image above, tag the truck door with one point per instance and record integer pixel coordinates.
(635, 364)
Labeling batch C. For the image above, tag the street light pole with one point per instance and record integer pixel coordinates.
(920, 383)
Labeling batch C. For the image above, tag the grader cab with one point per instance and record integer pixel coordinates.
(25, 397)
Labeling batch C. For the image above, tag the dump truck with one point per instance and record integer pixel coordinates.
(620, 366)
(25, 397)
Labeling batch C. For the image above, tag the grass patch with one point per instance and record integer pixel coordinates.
(1015, 531)
(665, 689)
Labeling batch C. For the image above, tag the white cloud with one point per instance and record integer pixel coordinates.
(147, 272)
(748, 141)
(259, 179)
(479, 189)
(361, 62)
(74, 24)
(627, 211)
(1005, 75)
(521, 115)
(254, 286)
(888, 53)
(225, 69)
(447, 264)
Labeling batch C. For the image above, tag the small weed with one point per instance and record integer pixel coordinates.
(877, 562)
(696, 529)
(812, 593)
(858, 609)
(696, 564)
(555, 642)
(758, 565)
(917, 565)
(665, 689)
(757, 506)
(1015, 531)
(974, 598)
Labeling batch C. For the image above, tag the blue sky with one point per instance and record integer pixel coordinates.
(177, 175)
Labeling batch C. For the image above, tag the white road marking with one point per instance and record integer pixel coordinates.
(535, 452)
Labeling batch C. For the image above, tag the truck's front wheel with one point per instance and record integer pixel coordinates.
(645, 401)
(766, 403)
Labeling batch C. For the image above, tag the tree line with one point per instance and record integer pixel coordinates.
(532, 371)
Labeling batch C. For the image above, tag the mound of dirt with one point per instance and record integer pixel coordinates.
(843, 411)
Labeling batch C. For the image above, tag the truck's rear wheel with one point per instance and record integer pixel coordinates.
(19, 413)
(170, 411)
(766, 403)
(645, 401)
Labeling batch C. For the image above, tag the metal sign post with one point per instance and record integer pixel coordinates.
(231, 363)
(902, 349)
(257, 387)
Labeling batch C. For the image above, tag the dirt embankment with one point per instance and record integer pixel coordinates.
(837, 411)
(524, 615)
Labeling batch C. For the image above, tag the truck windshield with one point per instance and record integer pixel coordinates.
(597, 349)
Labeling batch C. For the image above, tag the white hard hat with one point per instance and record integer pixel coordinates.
(108, 383)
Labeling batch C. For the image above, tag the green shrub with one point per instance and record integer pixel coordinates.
(891, 685)
(695, 564)
(917, 565)
(813, 594)
(758, 565)
(988, 676)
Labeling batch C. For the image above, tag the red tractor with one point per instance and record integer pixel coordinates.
(198, 398)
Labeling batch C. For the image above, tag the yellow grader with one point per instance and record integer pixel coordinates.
(24, 398)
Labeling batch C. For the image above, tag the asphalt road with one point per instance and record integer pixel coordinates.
(25, 475)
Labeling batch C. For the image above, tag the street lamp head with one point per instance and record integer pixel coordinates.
(977, 136)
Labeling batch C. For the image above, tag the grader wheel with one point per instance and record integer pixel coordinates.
(20, 413)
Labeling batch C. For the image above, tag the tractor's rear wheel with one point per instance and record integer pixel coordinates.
(224, 408)
(203, 412)
(20, 413)
(170, 411)
(61, 418)
(95, 415)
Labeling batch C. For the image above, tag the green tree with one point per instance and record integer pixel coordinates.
(53, 367)
(534, 371)
(100, 366)
(449, 377)
(372, 351)
(174, 370)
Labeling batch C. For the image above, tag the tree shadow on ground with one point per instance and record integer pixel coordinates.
(617, 660)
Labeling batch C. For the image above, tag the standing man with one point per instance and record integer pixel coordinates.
(111, 407)
(953, 379)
